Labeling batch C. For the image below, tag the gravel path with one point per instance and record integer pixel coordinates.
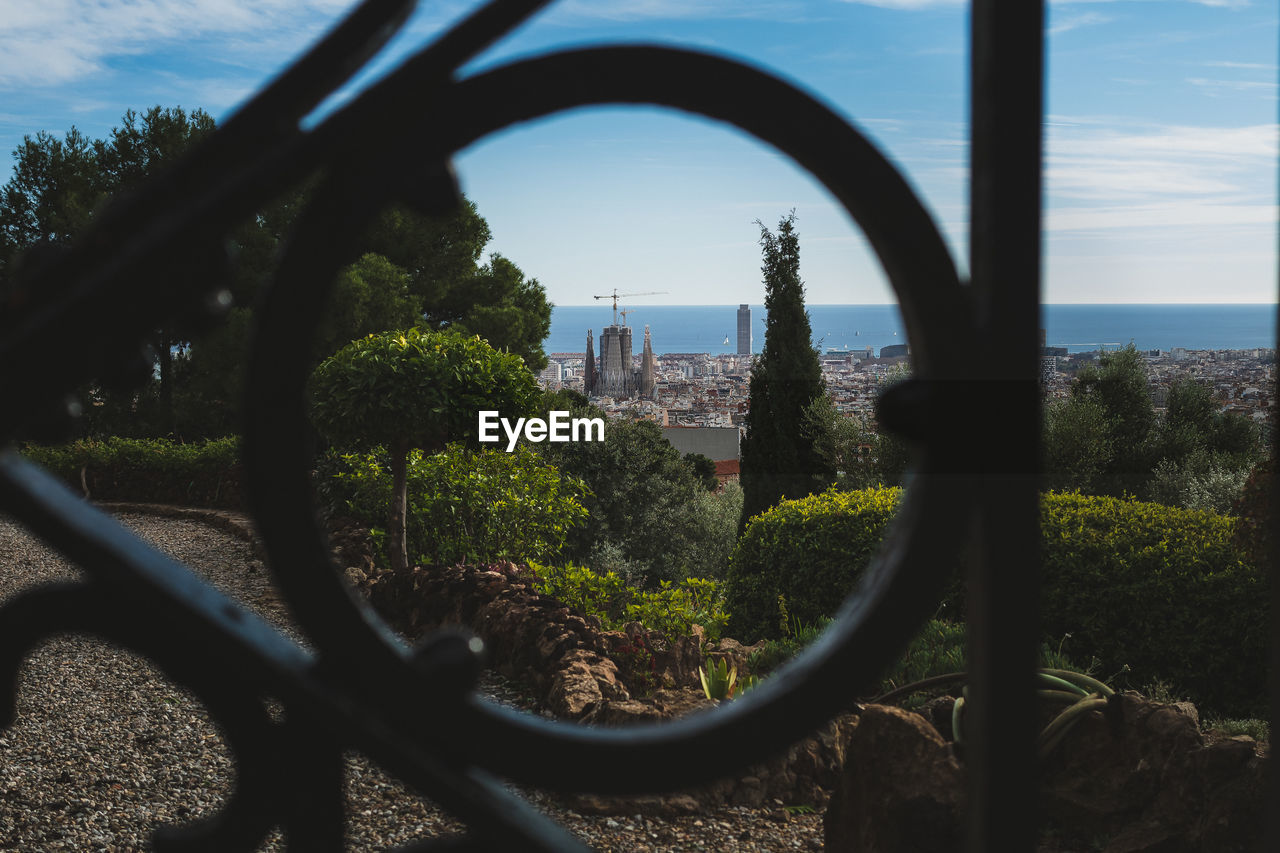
(105, 749)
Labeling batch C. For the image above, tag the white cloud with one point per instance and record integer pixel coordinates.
(52, 42)
(1088, 19)
(1216, 87)
(1253, 66)
(637, 10)
(1172, 215)
(1101, 178)
(906, 4)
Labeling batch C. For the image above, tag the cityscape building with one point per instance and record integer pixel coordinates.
(589, 368)
(647, 367)
(615, 379)
(744, 330)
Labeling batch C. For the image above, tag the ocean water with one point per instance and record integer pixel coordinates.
(1080, 328)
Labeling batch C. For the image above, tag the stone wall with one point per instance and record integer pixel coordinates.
(583, 674)
(1136, 777)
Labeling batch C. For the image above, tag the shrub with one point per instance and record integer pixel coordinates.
(463, 505)
(1161, 589)
(152, 470)
(413, 389)
(810, 552)
(672, 608)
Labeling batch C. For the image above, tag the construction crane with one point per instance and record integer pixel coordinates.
(616, 295)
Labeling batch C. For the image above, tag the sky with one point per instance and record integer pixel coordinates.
(1160, 133)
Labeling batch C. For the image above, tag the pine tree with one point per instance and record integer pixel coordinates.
(779, 460)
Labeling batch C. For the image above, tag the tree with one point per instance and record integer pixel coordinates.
(1077, 445)
(778, 461)
(414, 389)
(55, 187)
(58, 185)
(414, 269)
(704, 468)
(646, 519)
(442, 258)
(370, 296)
(861, 456)
(1118, 384)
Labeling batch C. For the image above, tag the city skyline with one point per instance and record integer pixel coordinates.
(1160, 165)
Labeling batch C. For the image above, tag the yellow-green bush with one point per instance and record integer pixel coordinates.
(1160, 589)
(464, 505)
(672, 608)
(799, 559)
(148, 470)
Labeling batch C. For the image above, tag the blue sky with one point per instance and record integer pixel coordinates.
(1160, 161)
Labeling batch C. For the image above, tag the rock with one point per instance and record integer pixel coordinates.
(735, 653)
(574, 692)
(901, 789)
(677, 665)
(938, 711)
(626, 712)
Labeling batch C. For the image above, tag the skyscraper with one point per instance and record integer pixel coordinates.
(744, 330)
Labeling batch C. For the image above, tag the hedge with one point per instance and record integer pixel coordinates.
(153, 470)
(798, 560)
(1161, 590)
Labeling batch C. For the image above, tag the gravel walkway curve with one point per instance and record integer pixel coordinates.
(105, 749)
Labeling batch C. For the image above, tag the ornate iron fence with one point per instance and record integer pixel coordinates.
(413, 710)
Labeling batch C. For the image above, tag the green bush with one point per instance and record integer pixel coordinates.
(809, 552)
(151, 470)
(1162, 590)
(672, 608)
(464, 505)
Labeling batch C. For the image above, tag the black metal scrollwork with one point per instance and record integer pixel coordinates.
(412, 710)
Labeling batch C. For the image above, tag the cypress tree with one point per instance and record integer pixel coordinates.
(779, 460)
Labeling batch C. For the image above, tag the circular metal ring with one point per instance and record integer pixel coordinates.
(897, 592)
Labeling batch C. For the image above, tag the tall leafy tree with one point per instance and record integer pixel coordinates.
(415, 269)
(1108, 439)
(779, 461)
(1118, 384)
(414, 389)
(58, 184)
(648, 517)
(441, 255)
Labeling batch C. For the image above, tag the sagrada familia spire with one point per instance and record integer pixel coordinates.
(613, 375)
(647, 367)
(589, 368)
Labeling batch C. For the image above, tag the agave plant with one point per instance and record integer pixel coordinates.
(718, 679)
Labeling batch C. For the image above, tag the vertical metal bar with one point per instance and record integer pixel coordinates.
(1006, 116)
(315, 808)
(1271, 550)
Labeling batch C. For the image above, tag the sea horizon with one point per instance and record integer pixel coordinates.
(1077, 326)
